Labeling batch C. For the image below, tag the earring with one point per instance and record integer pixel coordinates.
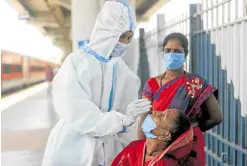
(162, 138)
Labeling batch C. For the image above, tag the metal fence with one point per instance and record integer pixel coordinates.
(217, 32)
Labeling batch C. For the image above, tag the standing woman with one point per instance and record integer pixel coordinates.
(189, 92)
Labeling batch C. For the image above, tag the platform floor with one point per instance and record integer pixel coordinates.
(27, 118)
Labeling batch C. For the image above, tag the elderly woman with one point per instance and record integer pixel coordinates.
(173, 148)
(188, 92)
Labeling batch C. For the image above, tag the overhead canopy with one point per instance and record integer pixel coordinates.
(53, 17)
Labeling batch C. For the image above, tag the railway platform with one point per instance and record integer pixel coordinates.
(27, 118)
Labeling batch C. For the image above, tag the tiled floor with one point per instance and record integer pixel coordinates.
(25, 129)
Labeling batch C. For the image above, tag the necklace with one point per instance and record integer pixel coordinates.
(169, 79)
(162, 79)
(155, 152)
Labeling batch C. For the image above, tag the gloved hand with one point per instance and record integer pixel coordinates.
(135, 109)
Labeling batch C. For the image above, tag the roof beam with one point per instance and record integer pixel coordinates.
(154, 8)
(46, 24)
(54, 31)
(23, 3)
(48, 20)
(144, 5)
(60, 19)
(64, 3)
(45, 17)
(141, 19)
(17, 5)
(138, 2)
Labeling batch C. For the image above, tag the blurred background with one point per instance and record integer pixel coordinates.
(37, 35)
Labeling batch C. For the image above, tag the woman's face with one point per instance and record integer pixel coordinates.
(126, 37)
(165, 119)
(173, 46)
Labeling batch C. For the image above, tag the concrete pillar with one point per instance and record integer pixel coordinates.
(83, 16)
(160, 38)
(131, 58)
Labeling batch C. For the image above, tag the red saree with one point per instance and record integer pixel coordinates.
(134, 153)
(186, 93)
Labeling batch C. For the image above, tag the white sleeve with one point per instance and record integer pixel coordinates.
(72, 97)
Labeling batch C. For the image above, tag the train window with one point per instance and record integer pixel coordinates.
(37, 68)
(18, 68)
(33, 68)
(41, 68)
(7, 68)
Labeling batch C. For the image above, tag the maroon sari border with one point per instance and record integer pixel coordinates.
(180, 138)
(204, 96)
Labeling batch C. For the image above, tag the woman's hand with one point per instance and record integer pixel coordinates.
(211, 115)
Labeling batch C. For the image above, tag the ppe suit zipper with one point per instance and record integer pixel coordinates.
(112, 94)
(102, 85)
(102, 90)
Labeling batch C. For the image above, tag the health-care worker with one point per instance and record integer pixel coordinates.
(95, 95)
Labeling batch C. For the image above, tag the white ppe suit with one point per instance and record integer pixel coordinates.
(91, 92)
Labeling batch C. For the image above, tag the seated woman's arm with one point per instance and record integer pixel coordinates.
(211, 115)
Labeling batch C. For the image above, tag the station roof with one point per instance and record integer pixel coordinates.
(53, 17)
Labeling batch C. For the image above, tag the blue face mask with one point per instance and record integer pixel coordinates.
(119, 50)
(174, 61)
(147, 126)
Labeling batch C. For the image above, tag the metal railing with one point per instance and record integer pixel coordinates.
(217, 32)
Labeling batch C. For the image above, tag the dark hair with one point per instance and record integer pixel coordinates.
(181, 124)
(180, 37)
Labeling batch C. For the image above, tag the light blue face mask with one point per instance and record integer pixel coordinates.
(147, 126)
(119, 50)
(174, 61)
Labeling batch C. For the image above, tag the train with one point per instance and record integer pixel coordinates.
(19, 71)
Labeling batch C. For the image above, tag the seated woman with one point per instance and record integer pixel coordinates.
(165, 150)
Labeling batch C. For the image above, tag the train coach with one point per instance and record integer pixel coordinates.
(18, 71)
